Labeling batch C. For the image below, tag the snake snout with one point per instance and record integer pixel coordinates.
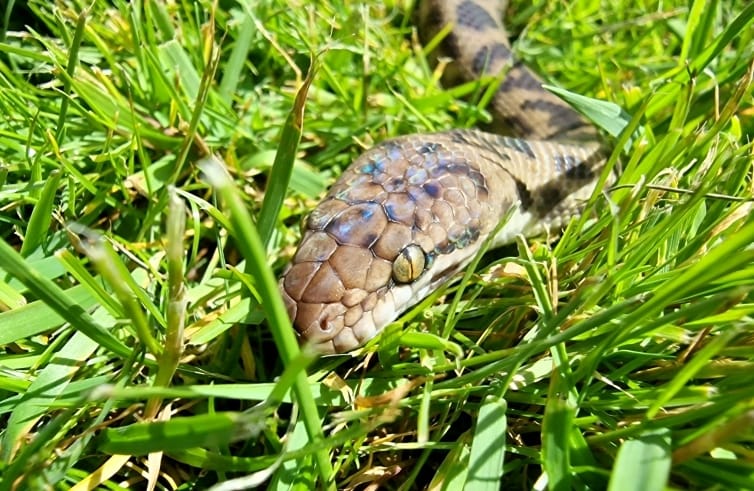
(331, 291)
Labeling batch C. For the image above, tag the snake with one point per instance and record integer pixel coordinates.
(411, 212)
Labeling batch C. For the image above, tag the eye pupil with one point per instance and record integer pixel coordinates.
(409, 264)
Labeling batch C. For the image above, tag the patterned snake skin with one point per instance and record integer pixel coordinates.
(412, 211)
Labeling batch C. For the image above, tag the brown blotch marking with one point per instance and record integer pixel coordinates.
(559, 115)
(573, 168)
(519, 145)
(550, 195)
(519, 77)
(474, 16)
(449, 46)
(489, 56)
(458, 136)
(524, 195)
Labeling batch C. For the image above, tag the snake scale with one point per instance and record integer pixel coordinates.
(412, 211)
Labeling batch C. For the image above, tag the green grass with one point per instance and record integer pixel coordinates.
(141, 334)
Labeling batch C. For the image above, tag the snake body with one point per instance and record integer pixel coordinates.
(412, 211)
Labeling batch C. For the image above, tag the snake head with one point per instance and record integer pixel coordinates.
(340, 295)
(396, 224)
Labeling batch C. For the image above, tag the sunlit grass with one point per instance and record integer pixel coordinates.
(618, 356)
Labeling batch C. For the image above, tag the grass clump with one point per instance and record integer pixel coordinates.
(141, 335)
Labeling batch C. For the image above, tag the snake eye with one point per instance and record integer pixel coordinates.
(409, 264)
